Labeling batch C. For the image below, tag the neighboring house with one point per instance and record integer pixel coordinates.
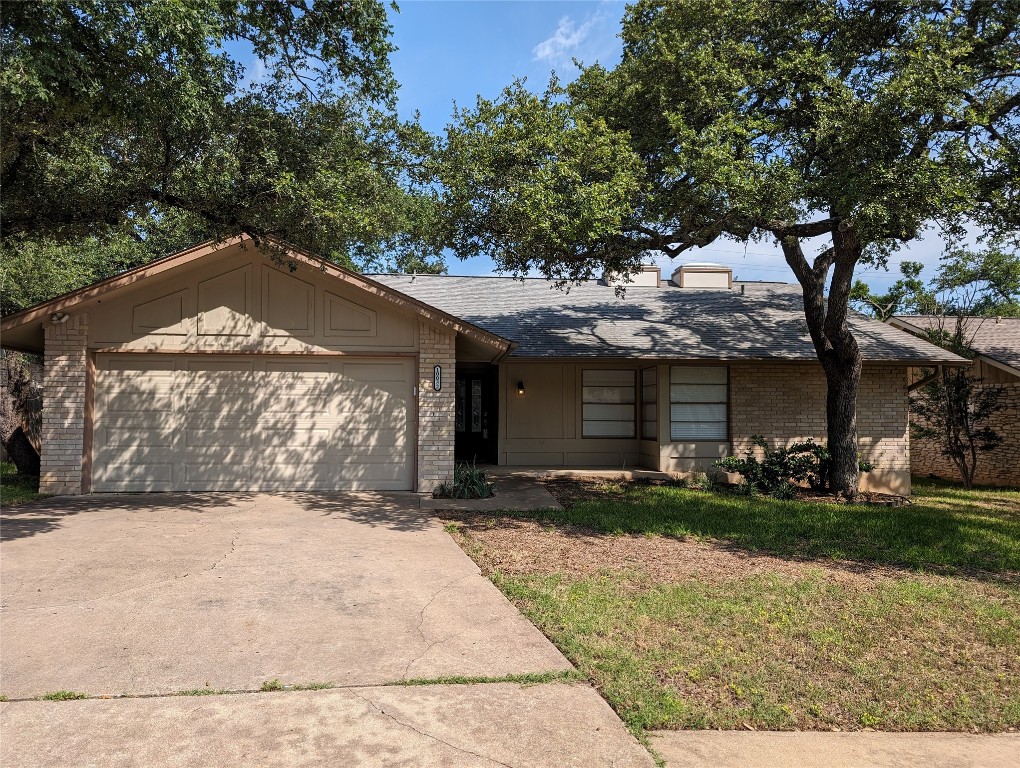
(995, 342)
(214, 369)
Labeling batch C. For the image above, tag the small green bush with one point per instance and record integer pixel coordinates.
(779, 470)
(469, 482)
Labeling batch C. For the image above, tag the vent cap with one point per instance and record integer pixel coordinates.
(703, 274)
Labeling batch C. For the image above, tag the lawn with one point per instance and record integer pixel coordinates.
(15, 488)
(695, 610)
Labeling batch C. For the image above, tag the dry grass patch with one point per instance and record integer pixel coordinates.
(699, 631)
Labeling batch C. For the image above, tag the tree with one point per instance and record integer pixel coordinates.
(840, 128)
(907, 295)
(953, 408)
(20, 411)
(986, 282)
(123, 117)
(968, 282)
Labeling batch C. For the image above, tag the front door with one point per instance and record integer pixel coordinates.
(477, 390)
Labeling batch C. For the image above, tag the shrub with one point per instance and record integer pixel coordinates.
(781, 469)
(468, 482)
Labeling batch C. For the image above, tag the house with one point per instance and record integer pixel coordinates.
(217, 369)
(995, 342)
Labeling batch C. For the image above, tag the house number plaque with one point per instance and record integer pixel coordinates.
(437, 378)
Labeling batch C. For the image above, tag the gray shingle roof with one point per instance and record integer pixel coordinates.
(590, 320)
(996, 338)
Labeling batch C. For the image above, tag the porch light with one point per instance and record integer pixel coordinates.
(520, 388)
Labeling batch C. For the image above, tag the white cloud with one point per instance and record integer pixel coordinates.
(587, 40)
(564, 41)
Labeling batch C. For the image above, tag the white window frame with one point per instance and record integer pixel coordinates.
(624, 404)
(649, 378)
(700, 393)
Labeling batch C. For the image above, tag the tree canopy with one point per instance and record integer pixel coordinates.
(968, 282)
(838, 128)
(130, 120)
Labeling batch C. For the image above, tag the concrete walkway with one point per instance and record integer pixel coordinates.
(157, 596)
(450, 725)
(744, 749)
(513, 491)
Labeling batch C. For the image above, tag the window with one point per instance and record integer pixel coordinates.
(697, 403)
(608, 404)
(649, 406)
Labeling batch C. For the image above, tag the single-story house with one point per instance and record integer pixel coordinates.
(995, 343)
(216, 369)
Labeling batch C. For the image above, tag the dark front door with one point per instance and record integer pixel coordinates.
(477, 390)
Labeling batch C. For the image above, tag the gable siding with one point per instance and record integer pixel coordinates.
(241, 302)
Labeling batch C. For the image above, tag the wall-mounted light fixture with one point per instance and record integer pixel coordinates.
(520, 388)
(59, 317)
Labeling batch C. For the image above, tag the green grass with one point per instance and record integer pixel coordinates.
(272, 685)
(63, 696)
(945, 528)
(15, 488)
(775, 652)
(530, 678)
(930, 644)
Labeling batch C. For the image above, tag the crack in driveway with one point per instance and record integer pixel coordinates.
(427, 735)
(421, 623)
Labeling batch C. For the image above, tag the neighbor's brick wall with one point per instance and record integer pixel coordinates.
(63, 410)
(435, 409)
(786, 404)
(997, 467)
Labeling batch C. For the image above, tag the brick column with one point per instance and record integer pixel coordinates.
(63, 411)
(435, 409)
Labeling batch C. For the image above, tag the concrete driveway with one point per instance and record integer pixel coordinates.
(152, 596)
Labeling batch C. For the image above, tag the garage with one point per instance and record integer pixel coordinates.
(203, 422)
(219, 369)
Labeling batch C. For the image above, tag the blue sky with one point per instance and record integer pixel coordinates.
(450, 50)
(453, 50)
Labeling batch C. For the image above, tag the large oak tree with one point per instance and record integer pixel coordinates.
(839, 128)
(131, 128)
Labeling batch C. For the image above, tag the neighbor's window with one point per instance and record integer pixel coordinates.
(608, 403)
(697, 403)
(649, 404)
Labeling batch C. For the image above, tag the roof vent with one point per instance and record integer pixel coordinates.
(648, 277)
(703, 274)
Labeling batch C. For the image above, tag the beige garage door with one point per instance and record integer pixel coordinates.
(240, 423)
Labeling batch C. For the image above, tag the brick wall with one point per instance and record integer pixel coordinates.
(63, 410)
(998, 467)
(786, 403)
(435, 409)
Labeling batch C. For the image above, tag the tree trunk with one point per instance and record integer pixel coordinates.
(835, 346)
(22, 453)
(842, 379)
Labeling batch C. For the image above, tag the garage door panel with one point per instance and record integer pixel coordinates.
(372, 473)
(142, 437)
(205, 474)
(376, 373)
(289, 476)
(305, 442)
(389, 438)
(293, 406)
(360, 421)
(135, 401)
(138, 472)
(217, 437)
(151, 363)
(261, 423)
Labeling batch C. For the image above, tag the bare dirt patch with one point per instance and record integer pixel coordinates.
(513, 546)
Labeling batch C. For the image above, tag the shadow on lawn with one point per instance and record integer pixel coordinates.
(961, 539)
